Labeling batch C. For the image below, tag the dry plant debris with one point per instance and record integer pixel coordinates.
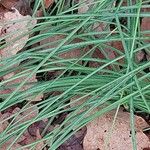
(48, 3)
(100, 136)
(99, 129)
(21, 5)
(75, 142)
(55, 40)
(85, 6)
(14, 22)
(9, 25)
(30, 112)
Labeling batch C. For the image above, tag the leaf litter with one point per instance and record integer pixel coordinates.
(97, 134)
(100, 136)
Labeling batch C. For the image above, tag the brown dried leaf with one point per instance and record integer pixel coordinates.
(148, 58)
(81, 133)
(76, 101)
(39, 145)
(39, 13)
(22, 117)
(71, 144)
(74, 142)
(4, 146)
(3, 124)
(119, 46)
(14, 147)
(99, 55)
(55, 40)
(28, 139)
(145, 25)
(21, 5)
(98, 133)
(17, 146)
(30, 112)
(97, 27)
(8, 4)
(48, 3)
(40, 125)
(5, 91)
(27, 86)
(85, 6)
(139, 56)
(20, 28)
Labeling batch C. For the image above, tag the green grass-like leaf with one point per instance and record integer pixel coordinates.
(124, 84)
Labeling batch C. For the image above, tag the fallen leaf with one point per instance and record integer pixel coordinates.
(140, 56)
(48, 3)
(5, 91)
(17, 146)
(75, 142)
(55, 40)
(77, 101)
(81, 133)
(85, 6)
(3, 123)
(39, 13)
(13, 147)
(20, 29)
(39, 145)
(8, 4)
(98, 130)
(40, 125)
(97, 27)
(28, 139)
(145, 23)
(98, 54)
(30, 82)
(21, 5)
(71, 144)
(61, 117)
(30, 112)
